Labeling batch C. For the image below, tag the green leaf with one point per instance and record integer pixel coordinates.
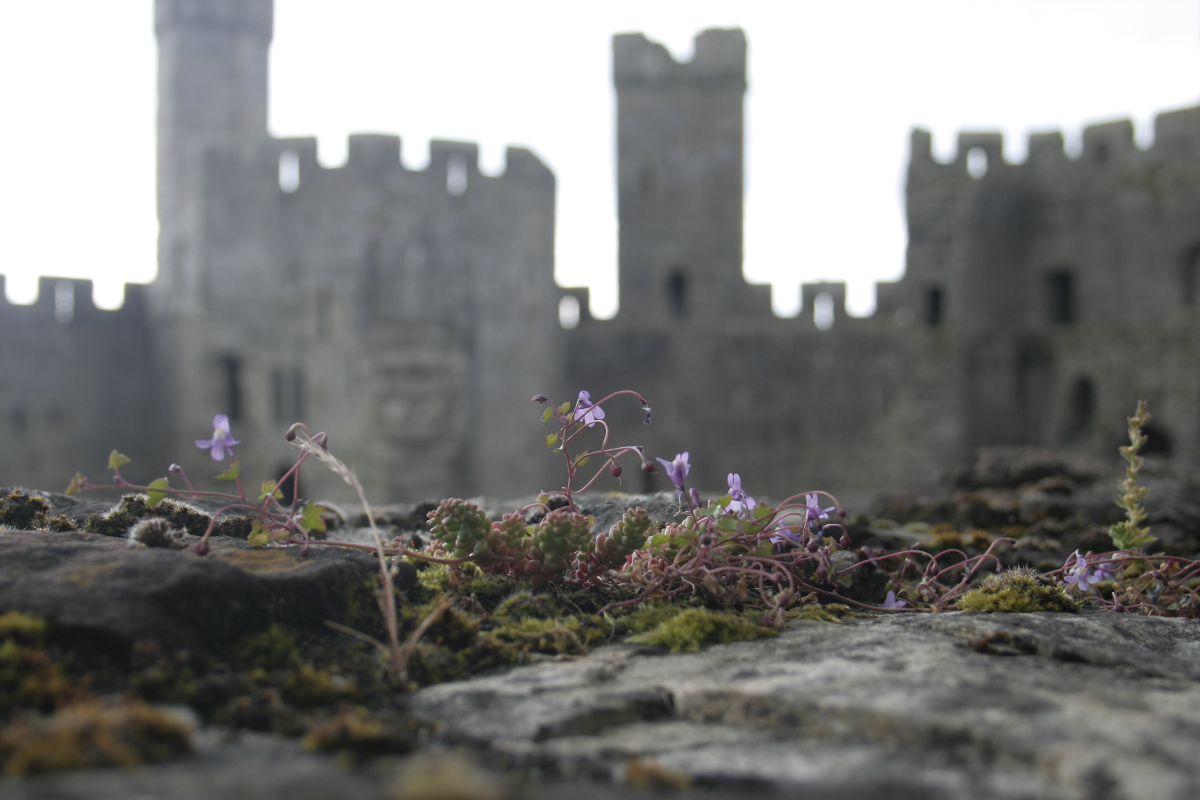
(546, 415)
(582, 460)
(551, 440)
(277, 534)
(234, 471)
(724, 500)
(659, 538)
(564, 408)
(77, 483)
(117, 460)
(763, 550)
(158, 490)
(311, 519)
(258, 537)
(270, 489)
(762, 512)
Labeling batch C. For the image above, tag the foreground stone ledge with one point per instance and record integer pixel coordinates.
(950, 705)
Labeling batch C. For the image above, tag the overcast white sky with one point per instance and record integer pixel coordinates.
(835, 89)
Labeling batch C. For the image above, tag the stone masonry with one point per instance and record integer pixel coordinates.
(413, 313)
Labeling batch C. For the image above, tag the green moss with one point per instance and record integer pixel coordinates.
(356, 730)
(1017, 590)
(308, 687)
(526, 604)
(161, 677)
(133, 509)
(91, 734)
(834, 612)
(690, 630)
(29, 679)
(22, 511)
(22, 628)
(647, 617)
(270, 649)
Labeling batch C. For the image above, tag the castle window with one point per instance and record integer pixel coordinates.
(287, 395)
(646, 181)
(289, 171)
(1060, 292)
(231, 374)
(677, 292)
(977, 162)
(1081, 409)
(1190, 276)
(64, 301)
(823, 311)
(287, 487)
(568, 312)
(933, 306)
(18, 421)
(456, 176)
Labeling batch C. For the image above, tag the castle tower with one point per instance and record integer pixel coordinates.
(679, 178)
(212, 94)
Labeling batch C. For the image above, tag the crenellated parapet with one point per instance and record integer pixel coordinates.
(719, 60)
(254, 17)
(70, 302)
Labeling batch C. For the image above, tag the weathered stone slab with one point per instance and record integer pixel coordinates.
(953, 705)
(99, 586)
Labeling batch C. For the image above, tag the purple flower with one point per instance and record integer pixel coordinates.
(784, 533)
(890, 602)
(677, 470)
(740, 501)
(586, 411)
(222, 440)
(1084, 579)
(814, 510)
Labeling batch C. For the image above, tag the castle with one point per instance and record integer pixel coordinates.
(412, 314)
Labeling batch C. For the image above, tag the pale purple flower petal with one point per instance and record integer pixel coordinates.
(677, 470)
(740, 501)
(890, 602)
(586, 411)
(222, 440)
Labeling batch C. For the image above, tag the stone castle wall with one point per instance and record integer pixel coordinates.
(412, 313)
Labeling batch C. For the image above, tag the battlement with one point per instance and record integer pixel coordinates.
(1176, 133)
(71, 301)
(255, 17)
(374, 154)
(719, 61)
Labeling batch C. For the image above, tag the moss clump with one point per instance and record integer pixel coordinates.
(28, 677)
(834, 612)
(91, 734)
(25, 512)
(356, 730)
(693, 628)
(133, 509)
(1017, 591)
(308, 687)
(270, 649)
(527, 605)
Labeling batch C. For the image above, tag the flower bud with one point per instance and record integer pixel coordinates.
(174, 469)
(649, 415)
(201, 548)
(648, 467)
(541, 398)
(614, 469)
(694, 496)
(841, 512)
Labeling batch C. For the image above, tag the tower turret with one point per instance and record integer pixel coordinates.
(212, 94)
(679, 177)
